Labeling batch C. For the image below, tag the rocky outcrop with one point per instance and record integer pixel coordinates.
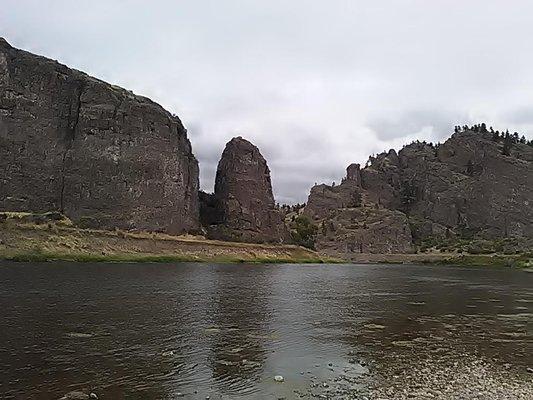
(464, 187)
(364, 230)
(325, 200)
(469, 186)
(351, 220)
(242, 207)
(98, 153)
(381, 180)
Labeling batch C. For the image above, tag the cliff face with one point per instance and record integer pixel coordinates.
(466, 186)
(469, 186)
(352, 220)
(242, 207)
(102, 155)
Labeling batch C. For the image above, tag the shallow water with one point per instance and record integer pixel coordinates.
(160, 330)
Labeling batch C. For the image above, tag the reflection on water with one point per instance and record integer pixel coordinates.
(224, 331)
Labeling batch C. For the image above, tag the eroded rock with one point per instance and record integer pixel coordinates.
(97, 153)
(242, 207)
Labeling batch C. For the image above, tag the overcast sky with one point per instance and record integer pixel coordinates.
(314, 84)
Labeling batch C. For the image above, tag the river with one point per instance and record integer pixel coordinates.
(162, 331)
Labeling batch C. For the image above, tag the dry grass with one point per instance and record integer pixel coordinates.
(25, 241)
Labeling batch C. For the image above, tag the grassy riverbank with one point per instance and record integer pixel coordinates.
(523, 260)
(48, 237)
(26, 238)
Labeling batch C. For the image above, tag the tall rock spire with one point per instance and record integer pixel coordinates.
(243, 196)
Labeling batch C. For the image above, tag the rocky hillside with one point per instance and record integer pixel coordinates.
(242, 207)
(98, 153)
(476, 184)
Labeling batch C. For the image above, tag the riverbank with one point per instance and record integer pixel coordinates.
(51, 236)
(25, 238)
(523, 260)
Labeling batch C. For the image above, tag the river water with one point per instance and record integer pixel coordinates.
(162, 331)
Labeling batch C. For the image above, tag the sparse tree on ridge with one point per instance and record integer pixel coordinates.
(507, 141)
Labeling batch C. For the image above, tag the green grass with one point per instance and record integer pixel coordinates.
(519, 261)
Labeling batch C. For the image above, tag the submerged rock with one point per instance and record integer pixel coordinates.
(76, 395)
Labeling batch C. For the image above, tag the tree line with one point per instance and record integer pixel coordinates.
(506, 137)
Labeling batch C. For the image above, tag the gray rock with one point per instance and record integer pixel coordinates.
(75, 395)
(242, 207)
(103, 156)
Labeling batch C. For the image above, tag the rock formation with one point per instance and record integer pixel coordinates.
(469, 186)
(466, 186)
(350, 219)
(364, 230)
(242, 207)
(98, 153)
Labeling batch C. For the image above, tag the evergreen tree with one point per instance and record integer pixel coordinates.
(507, 141)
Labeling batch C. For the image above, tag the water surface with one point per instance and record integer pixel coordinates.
(159, 331)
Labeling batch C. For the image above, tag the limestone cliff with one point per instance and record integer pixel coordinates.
(242, 207)
(100, 154)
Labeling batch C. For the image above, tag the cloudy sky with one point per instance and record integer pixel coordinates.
(315, 84)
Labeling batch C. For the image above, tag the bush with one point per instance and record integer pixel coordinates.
(303, 232)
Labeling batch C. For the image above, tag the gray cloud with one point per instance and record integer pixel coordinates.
(520, 116)
(437, 123)
(316, 85)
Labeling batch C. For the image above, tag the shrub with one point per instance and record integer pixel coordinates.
(303, 232)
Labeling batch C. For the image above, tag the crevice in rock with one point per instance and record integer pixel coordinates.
(73, 120)
(74, 113)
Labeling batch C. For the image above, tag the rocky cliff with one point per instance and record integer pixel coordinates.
(469, 186)
(352, 219)
(100, 154)
(242, 207)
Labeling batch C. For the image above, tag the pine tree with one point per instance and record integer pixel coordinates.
(507, 144)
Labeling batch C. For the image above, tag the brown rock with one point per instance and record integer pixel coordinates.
(364, 230)
(349, 222)
(353, 174)
(98, 153)
(382, 180)
(469, 186)
(243, 197)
